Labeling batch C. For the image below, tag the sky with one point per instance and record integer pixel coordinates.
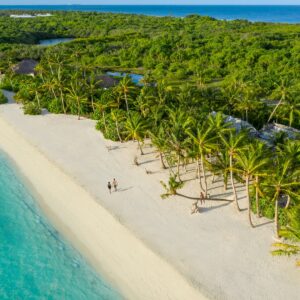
(141, 2)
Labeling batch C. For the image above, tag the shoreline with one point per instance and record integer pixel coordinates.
(214, 254)
(130, 266)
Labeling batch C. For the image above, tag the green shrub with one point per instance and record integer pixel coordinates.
(31, 108)
(55, 106)
(3, 99)
(171, 187)
(96, 115)
(110, 133)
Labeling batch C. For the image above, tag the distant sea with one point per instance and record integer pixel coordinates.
(271, 13)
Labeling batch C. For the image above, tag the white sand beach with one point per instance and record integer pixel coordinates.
(147, 247)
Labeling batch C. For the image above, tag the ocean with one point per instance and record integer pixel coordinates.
(35, 261)
(262, 13)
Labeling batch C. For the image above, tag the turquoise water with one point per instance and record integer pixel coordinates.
(265, 13)
(136, 78)
(35, 262)
(52, 42)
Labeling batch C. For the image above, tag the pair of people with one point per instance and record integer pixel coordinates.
(114, 185)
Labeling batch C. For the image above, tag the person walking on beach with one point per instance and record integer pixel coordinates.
(109, 187)
(115, 184)
(202, 198)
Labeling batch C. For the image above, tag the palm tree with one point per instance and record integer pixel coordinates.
(171, 187)
(126, 87)
(291, 232)
(143, 103)
(163, 92)
(102, 105)
(40, 70)
(290, 110)
(218, 123)
(158, 139)
(117, 116)
(283, 91)
(247, 104)
(176, 133)
(290, 150)
(135, 129)
(77, 97)
(92, 85)
(262, 151)
(59, 83)
(35, 89)
(282, 181)
(250, 163)
(204, 141)
(221, 166)
(233, 143)
(50, 86)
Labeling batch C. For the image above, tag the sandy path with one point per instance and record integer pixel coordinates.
(216, 250)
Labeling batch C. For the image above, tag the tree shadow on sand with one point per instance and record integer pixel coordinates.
(208, 209)
(206, 199)
(125, 189)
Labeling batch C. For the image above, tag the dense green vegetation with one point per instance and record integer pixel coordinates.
(3, 99)
(250, 61)
(192, 67)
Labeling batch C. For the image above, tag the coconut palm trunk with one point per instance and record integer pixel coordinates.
(288, 202)
(126, 102)
(199, 174)
(275, 109)
(178, 166)
(104, 121)
(140, 147)
(257, 196)
(161, 156)
(232, 184)
(118, 131)
(249, 202)
(62, 101)
(225, 180)
(276, 224)
(204, 176)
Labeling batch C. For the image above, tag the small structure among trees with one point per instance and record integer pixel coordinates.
(26, 67)
(269, 131)
(105, 81)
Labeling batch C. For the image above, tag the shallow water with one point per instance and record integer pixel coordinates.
(52, 42)
(136, 78)
(35, 261)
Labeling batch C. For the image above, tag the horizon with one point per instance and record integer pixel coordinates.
(79, 4)
(153, 2)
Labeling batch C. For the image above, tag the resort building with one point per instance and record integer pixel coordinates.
(26, 67)
(269, 131)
